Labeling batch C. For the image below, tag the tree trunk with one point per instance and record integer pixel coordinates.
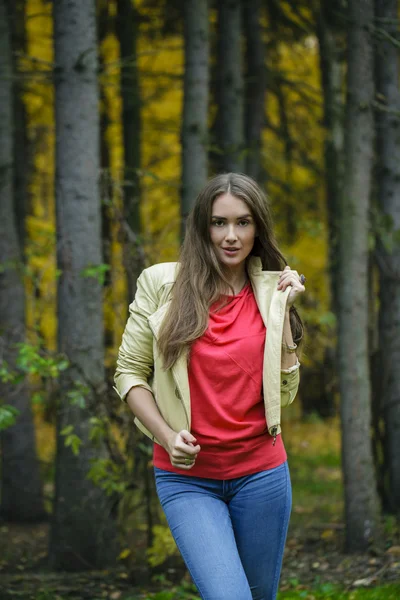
(127, 28)
(230, 87)
(83, 534)
(361, 499)
(21, 157)
(388, 247)
(106, 182)
(195, 103)
(21, 490)
(331, 39)
(256, 82)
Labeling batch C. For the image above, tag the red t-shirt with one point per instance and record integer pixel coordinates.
(227, 408)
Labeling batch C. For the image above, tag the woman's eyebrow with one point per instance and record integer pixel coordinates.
(248, 216)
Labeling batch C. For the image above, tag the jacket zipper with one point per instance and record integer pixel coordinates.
(274, 433)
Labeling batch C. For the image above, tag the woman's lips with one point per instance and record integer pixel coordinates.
(230, 252)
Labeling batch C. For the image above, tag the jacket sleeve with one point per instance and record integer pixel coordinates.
(135, 355)
(290, 379)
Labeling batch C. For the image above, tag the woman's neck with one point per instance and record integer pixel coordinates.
(237, 279)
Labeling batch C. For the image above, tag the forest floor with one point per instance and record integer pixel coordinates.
(315, 565)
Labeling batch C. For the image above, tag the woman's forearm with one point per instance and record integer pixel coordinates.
(288, 359)
(143, 406)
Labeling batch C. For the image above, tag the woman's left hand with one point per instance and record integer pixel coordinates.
(292, 278)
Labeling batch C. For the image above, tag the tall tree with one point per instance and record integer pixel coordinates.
(361, 498)
(21, 155)
(229, 128)
(83, 533)
(195, 102)
(330, 28)
(388, 246)
(127, 28)
(21, 491)
(256, 82)
(331, 38)
(105, 27)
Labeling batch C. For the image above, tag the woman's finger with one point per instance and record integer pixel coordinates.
(180, 455)
(180, 446)
(290, 277)
(187, 463)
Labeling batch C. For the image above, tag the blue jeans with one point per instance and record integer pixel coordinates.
(231, 533)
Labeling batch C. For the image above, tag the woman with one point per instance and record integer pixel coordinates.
(207, 360)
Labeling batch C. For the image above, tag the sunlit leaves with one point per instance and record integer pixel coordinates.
(96, 272)
(8, 416)
(33, 359)
(98, 430)
(71, 439)
(77, 395)
(108, 475)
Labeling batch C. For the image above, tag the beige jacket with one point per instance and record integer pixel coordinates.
(140, 364)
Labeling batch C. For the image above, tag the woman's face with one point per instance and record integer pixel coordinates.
(232, 230)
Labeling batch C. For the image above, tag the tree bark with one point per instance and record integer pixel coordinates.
(361, 498)
(21, 490)
(230, 87)
(256, 84)
(330, 31)
(83, 533)
(21, 155)
(331, 39)
(195, 103)
(388, 245)
(127, 28)
(106, 184)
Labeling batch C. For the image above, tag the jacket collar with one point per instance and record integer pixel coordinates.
(254, 267)
(263, 284)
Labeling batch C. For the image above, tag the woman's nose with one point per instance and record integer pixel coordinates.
(231, 235)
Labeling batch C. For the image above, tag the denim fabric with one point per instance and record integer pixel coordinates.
(231, 533)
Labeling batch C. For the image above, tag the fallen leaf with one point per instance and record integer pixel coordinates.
(362, 582)
(327, 534)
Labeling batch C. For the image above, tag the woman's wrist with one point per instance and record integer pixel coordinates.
(166, 436)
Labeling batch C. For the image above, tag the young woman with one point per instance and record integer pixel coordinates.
(207, 359)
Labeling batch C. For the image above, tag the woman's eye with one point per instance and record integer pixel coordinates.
(243, 223)
(218, 223)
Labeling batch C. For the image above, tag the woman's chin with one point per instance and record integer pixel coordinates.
(232, 261)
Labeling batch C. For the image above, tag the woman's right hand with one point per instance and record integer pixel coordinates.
(182, 450)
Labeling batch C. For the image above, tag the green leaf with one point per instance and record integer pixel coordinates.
(98, 430)
(8, 416)
(77, 396)
(67, 430)
(96, 272)
(38, 398)
(6, 374)
(74, 442)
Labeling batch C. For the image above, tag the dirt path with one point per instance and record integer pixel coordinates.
(312, 557)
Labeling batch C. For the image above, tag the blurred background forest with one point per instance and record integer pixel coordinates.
(113, 114)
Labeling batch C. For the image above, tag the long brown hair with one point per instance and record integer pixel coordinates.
(201, 280)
